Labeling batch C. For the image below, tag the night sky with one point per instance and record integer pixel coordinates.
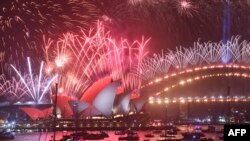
(169, 23)
(172, 23)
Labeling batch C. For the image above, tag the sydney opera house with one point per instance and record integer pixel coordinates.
(104, 98)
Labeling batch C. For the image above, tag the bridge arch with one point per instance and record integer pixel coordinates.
(167, 71)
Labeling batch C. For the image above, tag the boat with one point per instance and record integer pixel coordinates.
(6, 135)
(94, 136)
(66, 138)
(172, 132)
(149, 135)
(131, 136)
(79, 134)
(104, 134)
(170, 139)
(167, 135)
(89, 136)
(192, 135)
(157, 132)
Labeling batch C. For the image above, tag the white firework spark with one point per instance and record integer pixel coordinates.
(12, 88)
(36, 85)
(200, 54)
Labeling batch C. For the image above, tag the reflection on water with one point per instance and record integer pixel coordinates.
(46, 136)
(112, 136)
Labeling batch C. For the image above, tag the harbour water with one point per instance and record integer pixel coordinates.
(112, 136)
(46, 136)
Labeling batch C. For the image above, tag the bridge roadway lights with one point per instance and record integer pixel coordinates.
(155, 100)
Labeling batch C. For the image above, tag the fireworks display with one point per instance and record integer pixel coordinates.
(200, 54)
(37, 86)
(23, 22)
(12, 89)
(80, 42)
(83, 59)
